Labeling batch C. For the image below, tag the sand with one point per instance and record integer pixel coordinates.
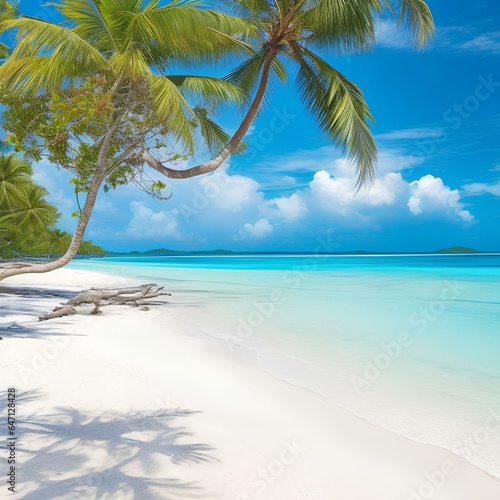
(140, 404)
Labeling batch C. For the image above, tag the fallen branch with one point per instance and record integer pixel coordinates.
(59, 312)
(100, 297)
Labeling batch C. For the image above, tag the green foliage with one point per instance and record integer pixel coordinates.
(457, 250)
(66, 86)
(88, 248)
(294, 32)
(27, 220)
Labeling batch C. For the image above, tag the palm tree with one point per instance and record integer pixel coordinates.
(7, 11)
(291, 31)
(130, 45)
(15, 174)
(58, 241)
(25, 215)
(33, 213)
(123, 47)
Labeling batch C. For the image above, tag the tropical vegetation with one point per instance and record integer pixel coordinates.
(101, 93)
(27, 220)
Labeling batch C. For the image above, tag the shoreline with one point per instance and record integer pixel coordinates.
(256, 436)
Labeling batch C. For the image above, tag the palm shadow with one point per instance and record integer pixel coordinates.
(21, 306)
(62, 466)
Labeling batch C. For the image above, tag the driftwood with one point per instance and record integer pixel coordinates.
(100, 297)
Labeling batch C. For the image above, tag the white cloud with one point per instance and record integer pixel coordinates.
(290, 208)
(300, 161)
(467, 39)
(53, 183)
(104, 205)
(478, 189)
(229, 192)
(487, 42)
(259, 230)
(147, 224)
(388, 34)
(429, 194)
(458, 38)
(211, 209)
(386, 190)
(410, 133)
(336, 193)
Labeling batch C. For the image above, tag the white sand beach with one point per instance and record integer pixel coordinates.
(137, 404)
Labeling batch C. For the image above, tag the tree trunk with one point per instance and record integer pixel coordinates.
(232, 144)
(85, 214)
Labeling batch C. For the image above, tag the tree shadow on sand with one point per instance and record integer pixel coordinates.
(20, 308)
(84, 455)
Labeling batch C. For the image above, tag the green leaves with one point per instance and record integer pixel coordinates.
(247, 74)
(14, 173)
(106, 64)
(294, 30)
(27, 219)
(339, 108)
(213, 92)
(46, 56)
(418, 17)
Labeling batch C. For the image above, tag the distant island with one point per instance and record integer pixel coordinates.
(159, 252)
(461, 250)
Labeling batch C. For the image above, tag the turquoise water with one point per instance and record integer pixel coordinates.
(410, 343)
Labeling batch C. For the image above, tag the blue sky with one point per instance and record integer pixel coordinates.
(438, 183)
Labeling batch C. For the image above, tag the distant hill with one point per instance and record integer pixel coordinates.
(457, 250)
(169, 251)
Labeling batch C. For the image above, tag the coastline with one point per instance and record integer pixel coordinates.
(115, 393)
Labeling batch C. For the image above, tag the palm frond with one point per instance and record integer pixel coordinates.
(15, 174)
(339, 107)
(339, 25)
(89, 22)
(45, 55)
(418, 17)
(213, 134)
(172, 107)
(213, 91)
(133, 62)
(4, 51)
(182, 33)
(242, 8)
(35, 213)
(246, 75)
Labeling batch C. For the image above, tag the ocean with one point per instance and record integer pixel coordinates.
(410, 343)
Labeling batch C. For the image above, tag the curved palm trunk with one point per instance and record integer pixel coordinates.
(85, 214)
(232, 144)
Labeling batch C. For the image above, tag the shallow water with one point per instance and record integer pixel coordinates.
(410, 343)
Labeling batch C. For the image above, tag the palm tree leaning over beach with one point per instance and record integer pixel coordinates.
(122, 40)
(293, 31)
(108, 60)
